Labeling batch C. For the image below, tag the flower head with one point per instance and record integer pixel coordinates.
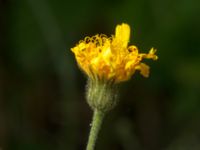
(111, 58)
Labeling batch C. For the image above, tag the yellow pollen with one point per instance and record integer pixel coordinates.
(110, 58)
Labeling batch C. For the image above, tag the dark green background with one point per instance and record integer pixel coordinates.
(42, 91)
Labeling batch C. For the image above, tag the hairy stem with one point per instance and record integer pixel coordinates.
(95, 127)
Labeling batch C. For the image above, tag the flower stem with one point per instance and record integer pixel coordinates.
(95, 127)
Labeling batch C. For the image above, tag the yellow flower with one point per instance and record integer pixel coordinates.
(110, 58)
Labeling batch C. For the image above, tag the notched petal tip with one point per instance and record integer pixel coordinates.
(152, 54)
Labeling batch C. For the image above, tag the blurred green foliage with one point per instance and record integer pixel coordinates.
(42, 99)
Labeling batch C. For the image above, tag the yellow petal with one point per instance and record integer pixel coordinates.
(122, 33)
(144, 69)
